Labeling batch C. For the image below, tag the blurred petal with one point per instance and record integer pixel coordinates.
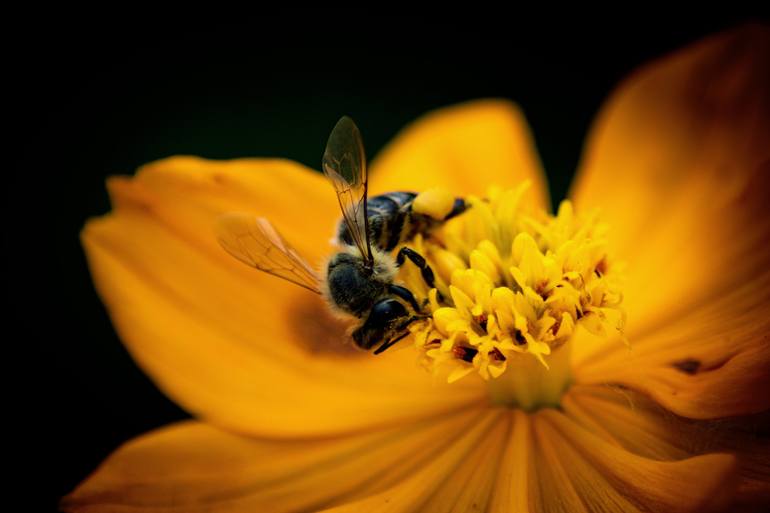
(578, 471)
(708, 363)
(187, 193)
(469, 487)
(464, 149)
(426, 489)
(679, 162)
(754, 487)
(630, 420)
(516, 478)
(192, 467)
(238, 347)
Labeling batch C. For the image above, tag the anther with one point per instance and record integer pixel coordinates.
(465, 354)
(482, 320)
(496, 354)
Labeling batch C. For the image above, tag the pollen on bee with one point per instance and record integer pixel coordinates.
(436, 203)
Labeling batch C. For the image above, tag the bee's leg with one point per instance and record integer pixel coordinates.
(406, 295)
(458, 208)
(419, 261)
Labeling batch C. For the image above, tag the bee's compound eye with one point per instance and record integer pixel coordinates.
(379, 324)
(385, 311)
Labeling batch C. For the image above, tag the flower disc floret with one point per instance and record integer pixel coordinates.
(513, 284)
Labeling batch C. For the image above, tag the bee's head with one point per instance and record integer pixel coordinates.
(350, 285)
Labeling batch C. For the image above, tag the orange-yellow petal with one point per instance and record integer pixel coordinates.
(231, 344)
(185, 193)
(636, 423)
(754, 458)
(469, 487)
(192, 467)
(630, 420)
(463, 149)
(426, 489)
(578, 471)
(708, 363)
(679, 162)
(514, 490)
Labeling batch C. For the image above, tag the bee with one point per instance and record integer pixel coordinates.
(358, 281)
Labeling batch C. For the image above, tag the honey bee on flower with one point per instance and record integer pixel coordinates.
(358, 281)
(498, 294)
(611, 356)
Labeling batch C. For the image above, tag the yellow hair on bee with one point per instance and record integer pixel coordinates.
(385, 268)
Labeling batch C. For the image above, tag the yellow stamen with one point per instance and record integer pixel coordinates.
(512, 286)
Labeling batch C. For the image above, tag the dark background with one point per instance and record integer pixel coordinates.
(91, 99)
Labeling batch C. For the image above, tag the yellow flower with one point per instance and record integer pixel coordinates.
(290, 419)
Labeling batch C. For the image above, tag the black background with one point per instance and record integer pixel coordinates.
(91, 98)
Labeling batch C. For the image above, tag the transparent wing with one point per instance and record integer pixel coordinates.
(344, 163)
(256, 242)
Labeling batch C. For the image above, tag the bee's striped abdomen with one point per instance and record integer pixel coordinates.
(392, 214)
(391, 220)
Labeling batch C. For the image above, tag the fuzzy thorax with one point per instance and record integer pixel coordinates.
(512, 286)
(348, 288)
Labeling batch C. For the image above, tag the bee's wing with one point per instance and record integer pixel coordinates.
(255, 242)
(344, 163)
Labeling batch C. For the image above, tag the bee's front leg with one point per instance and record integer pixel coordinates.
(418, 260)
(406, 295)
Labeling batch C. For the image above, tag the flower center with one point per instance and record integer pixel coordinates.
(512, 286)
